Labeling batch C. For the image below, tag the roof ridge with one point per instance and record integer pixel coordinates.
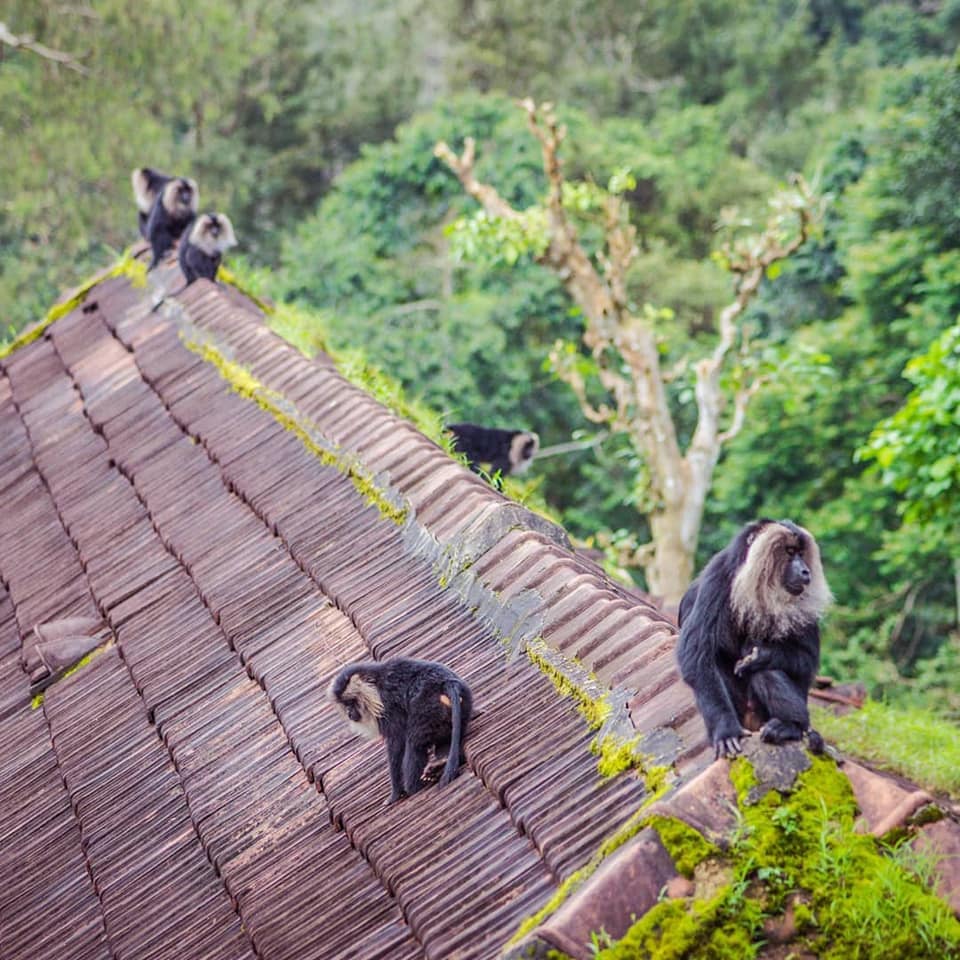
(303, 522)
(451, 537)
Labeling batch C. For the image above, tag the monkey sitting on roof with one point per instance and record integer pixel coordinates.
(205, 242)
(165, 206)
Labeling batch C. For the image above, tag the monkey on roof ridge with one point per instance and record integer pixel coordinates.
(506, 451)
(750, 636)
(165, 206)
(203, 246)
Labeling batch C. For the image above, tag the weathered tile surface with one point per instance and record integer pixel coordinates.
(189, 792)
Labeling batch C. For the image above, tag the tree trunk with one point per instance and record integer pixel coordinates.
(675, 526)
(670, 568)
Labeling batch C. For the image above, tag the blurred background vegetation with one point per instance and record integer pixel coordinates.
(314, 127)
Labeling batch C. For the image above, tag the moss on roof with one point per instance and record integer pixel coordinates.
(848, 895)
(244, 383)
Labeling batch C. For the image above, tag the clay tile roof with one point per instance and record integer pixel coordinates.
(189, 792)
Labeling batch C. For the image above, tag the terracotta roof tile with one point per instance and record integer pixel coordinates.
(191, 785)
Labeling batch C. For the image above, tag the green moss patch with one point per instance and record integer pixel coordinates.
(37, 699)
(686, 846)
(594, 710)
(909, 741)
(126, 266)
(244, 383)
(629, 829)
(615, 754)
(248, 287)
(847, 895)
(703, 930)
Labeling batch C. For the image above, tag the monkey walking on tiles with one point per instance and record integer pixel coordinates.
(416, 706)
(506, 451)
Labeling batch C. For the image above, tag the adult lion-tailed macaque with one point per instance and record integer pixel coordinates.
(147, 184)
(203, 246)
(506, 451)
(417, 706)
(175, 205)
(750, 636)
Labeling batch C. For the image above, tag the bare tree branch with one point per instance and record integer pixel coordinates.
(572, 446)
(621, 238)
(26, 42)
(462, 166)
(741, 401)
(551, 135)
(600, 414)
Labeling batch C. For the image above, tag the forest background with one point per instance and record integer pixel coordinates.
(314, 125)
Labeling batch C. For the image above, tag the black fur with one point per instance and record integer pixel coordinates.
(195, 262)
(733, 672)
(165, 225)
(782, 675)
(414, 719)
(493, 446)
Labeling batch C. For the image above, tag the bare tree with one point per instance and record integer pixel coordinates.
(25, 42)
(623, 343)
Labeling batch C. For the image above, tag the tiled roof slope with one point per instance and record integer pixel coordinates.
(189, 793)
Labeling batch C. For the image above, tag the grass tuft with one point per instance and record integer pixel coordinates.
(850, 896)
(906, 740)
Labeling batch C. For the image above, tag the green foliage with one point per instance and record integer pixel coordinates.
(913, 742)
(918, 449)
(849, 896)
(375, 262)
(500, 242)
